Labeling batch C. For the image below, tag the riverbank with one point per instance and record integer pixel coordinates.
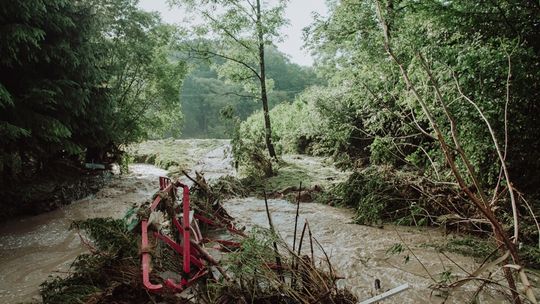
(34, 247)
(47, 192)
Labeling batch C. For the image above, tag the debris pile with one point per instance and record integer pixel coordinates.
(141, 258)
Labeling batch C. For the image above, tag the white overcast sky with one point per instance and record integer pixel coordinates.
(299, 13)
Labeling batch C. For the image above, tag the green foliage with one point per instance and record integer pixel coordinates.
(204, 94)
(110, 236)
(203, 97)
(530, 255)
(82, 78)
(299, 280)
(94, 274)
(470, 246)
(247, 151)
(383, 193)
(299, 127)
(370, 193)
(145, 76)
(256, 248)
(48, 76)
(396, 248)
(125, 160)
(382, 151)
(445, 277)
(462, 41)
(243, 30)
(249, 156)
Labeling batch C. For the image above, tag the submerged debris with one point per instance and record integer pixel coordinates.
(262, 269)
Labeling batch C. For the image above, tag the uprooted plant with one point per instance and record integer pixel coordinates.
(264, 269)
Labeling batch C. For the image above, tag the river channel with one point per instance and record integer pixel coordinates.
(32, 248)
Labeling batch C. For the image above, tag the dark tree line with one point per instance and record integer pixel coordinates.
(81, 78)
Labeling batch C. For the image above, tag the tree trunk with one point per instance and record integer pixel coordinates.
(264, 95)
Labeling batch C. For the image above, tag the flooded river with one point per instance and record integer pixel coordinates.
(359, 253)
(32, 248)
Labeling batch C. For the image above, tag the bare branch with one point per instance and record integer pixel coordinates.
(501, 158)
(484, 208)
(507, 101)
(453, 131)
(252, 6)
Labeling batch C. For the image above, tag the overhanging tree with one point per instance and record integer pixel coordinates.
(144, 78)
(242, 29)
(47, 82)
(81, 76)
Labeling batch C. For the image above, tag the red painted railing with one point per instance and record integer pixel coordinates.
(192, 259)
(189, 257)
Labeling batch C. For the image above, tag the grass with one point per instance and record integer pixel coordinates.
(308, 170)
(173, 155)
(289, 175)
(291, 171)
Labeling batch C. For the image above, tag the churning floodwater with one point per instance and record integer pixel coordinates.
(360, 254)
(32, 248)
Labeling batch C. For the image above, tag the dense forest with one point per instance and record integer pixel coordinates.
(206, 97)
(431, 105)
(81, 78)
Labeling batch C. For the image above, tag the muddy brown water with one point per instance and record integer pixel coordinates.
(359, 253)
(33, 248)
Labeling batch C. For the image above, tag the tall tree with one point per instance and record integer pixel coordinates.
(204, 95)
(144, 78)
(80, 77)
(48, 80)
(243, 28)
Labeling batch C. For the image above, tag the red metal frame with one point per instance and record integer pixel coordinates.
(189, 256)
